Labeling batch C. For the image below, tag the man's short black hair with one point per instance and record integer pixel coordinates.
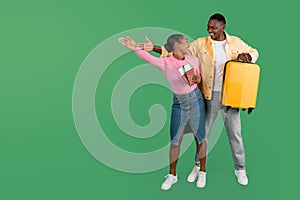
(218, 17)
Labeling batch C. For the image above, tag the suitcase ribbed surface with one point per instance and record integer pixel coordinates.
(240, 84)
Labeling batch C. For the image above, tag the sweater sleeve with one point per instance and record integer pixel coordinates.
(160, 63)
(195, 62)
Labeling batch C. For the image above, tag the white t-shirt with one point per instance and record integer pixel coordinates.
(220, 59)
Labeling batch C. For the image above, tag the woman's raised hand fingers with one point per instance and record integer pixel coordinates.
(130, 39)
(123, 40)
(148, 40)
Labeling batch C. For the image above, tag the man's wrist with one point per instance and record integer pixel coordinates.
(157, 49)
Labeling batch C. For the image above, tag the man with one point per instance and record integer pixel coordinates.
(213, 51)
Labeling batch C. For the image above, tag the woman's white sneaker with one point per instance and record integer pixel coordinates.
(170, 180)
(194, 174)
(241, 176)
(201, 182)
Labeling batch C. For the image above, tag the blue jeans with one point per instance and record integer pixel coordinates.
(188, 107)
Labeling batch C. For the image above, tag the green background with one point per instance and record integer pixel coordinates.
(42, 46)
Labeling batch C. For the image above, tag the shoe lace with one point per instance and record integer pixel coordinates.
(201, 177)
(195, 170)
(242, 173)
(168, 178)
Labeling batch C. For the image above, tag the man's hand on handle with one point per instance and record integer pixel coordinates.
(244, 57)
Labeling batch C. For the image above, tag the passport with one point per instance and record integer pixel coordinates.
(186, 71)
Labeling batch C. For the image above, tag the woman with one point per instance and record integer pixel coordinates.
(182, 72)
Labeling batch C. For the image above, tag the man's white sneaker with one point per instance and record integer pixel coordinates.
(193, 175)
(170, 180)
(201, 182)
(241, 176)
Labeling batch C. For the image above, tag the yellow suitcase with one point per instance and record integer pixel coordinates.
(240, 85)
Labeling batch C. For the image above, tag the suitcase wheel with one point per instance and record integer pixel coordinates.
(227, 108)
(250, 110)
